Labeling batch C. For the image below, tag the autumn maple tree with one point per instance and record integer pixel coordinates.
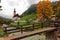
(44, 9)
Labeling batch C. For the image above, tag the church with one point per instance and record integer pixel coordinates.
(16, 16)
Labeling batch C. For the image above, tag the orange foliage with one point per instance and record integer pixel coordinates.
(44, 8)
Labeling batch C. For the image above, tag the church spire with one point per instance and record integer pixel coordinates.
(14, 11)
(0, 6)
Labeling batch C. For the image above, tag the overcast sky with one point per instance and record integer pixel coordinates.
(20, 6)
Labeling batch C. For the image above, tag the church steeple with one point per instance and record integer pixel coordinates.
(14, 11)
(0, 6)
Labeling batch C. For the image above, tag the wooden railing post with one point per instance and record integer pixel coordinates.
(5, 30)
(51, 35)
(21, 29)
(33, 27)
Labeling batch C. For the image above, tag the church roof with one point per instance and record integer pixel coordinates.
(16, 15)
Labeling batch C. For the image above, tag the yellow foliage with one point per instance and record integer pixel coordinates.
(44, 8)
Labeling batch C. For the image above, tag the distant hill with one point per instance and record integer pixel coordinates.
(31, 9)
(1, 17)
(2, 20)
(30, 13)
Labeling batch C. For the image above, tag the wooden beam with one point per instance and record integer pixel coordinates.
(51, 35)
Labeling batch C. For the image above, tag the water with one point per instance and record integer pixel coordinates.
(35, 37)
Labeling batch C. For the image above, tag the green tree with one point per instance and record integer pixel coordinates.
(58, 9)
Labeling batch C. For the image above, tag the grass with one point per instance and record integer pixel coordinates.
(1, 32)
(30, 24)
(20, 24)
(24, 24)
(31, 16)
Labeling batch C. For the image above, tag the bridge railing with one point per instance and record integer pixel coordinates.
(9, 30)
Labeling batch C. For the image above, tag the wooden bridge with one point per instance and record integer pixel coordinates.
(50, 33)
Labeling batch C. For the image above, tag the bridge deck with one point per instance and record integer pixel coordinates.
(28, 33)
